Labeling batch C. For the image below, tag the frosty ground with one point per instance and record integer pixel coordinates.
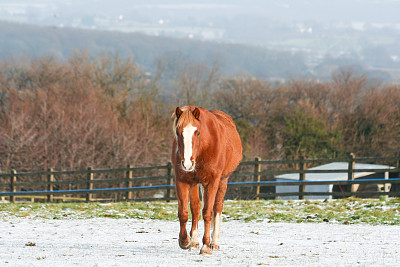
(144, 242)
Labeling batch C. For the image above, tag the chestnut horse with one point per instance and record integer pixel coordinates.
(206, 150)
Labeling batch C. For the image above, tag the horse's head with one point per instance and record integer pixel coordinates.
(187, 129)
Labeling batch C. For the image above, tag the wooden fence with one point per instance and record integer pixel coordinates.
(253, 180)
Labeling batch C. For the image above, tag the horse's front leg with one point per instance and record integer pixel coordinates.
(209, 198)
(182, 191)
(195, 209)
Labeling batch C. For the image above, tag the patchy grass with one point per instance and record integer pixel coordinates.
(346, 211)
(138, 210)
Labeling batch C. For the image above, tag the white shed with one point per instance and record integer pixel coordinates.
(329, 176)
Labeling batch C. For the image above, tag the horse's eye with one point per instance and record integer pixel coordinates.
(177, 133)
(198, 133)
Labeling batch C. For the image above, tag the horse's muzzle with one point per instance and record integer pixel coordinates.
(188, 166)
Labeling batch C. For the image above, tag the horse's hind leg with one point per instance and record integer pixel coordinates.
(195, 210)
(182, 192)
(218, 207)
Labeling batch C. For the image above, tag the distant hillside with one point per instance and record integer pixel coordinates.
(21, 40)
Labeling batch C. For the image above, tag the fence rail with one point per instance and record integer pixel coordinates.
(136, 183)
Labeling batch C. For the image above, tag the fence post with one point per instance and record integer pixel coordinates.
(89, 184)
(257, 176)
(302, 177)
(386, 186)
(350, 173)
(170, 181)
(50, 180)
(13, 187)
(129, 175)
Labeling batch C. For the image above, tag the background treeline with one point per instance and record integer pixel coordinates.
(277, 52)
(108, 112)
(23, 39)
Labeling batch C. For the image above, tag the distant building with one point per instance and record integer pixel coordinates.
(332, 176)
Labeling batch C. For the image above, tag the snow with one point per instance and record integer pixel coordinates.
(134, 242)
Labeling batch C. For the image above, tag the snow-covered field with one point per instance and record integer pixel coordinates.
(137, 242)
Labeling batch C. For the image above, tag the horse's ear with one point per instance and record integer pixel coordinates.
(178, 112)
(196, 113)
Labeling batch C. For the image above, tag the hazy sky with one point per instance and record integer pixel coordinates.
(373, 11)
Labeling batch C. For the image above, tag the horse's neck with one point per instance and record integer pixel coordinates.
(209, 142)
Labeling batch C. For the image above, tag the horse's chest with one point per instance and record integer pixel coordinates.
(198, 177)
(203, 177)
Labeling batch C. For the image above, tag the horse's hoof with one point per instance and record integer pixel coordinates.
(205, 250)
(214, 246)
(185, 244)
(195, 245)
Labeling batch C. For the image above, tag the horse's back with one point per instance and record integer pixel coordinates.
(224, 118)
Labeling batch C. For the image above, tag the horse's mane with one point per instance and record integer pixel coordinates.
(186, 118)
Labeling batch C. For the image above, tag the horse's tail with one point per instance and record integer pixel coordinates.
(201, 196)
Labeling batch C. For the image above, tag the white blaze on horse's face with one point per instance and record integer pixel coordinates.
(187, 134)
